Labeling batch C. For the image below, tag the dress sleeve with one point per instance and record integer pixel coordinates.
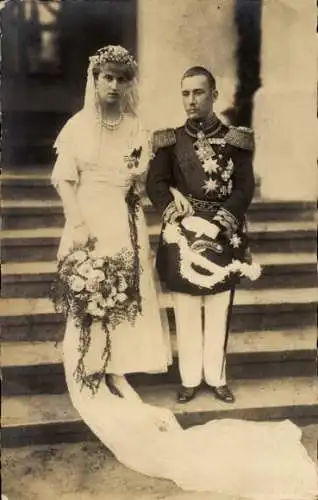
(66, 167)
(65, 176)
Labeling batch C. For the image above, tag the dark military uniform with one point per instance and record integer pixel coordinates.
(212, 166)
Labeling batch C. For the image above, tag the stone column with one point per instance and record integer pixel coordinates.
(285, 106)
(174, 35)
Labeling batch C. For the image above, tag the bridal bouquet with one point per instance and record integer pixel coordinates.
(90, 288)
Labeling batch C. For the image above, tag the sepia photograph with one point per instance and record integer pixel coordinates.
(158, 304)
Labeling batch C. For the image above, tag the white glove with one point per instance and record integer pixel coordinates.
(182, 204)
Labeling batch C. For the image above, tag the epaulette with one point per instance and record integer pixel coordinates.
(240, 137)
(163, 138)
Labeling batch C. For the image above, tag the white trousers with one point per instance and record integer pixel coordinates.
(201, 339)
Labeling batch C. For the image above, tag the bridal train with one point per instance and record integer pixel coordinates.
(244, 459)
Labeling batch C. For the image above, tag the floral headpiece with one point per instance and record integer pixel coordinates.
(114, 54)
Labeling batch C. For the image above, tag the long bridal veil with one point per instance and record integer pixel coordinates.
(234, 458)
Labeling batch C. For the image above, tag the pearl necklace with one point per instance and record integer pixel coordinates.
(112, 124)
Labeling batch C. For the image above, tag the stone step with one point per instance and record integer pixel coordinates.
(20, 158)
(34, 279)
(271, 236)
(29, 213)
(42, 243)
(36, 367)
(282, 308)
(19, 175)
(48, 419)
(270, 210)
(26, 153)
(35, 185)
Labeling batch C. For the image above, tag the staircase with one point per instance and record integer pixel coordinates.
(272, 357)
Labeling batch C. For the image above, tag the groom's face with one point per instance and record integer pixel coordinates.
(198, 97)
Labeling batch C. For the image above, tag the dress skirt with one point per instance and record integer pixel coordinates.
(144, 346)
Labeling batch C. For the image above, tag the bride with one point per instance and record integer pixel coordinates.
(103, 153)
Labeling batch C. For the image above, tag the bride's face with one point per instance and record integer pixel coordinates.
(111, 86)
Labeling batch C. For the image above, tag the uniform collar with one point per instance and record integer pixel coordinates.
(209, 127)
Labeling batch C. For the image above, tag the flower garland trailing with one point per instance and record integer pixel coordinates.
(134, 205)
(94, 289)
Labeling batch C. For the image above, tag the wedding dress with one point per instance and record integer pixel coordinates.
(97, 168)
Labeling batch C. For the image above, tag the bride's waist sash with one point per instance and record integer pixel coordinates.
(104, 181)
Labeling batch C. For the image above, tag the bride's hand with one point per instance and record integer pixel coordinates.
(80, 233)
(182, 204)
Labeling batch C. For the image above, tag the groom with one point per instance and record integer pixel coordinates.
(203, 168)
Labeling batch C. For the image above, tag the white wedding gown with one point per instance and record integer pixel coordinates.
(234, 458)
(93, 159)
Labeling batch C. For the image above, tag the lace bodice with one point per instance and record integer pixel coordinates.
(89, 153)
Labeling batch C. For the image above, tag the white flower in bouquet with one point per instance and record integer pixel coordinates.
(85, 269)
(92, 286)
(96, 304)
(60, 308)
(77, 284)
(100, 300)
(109, 302)
(98, 263)
(79, 256)
(121, 297)
(122, 286)
(94, 279)
(94, 309)
(109, 283)
(96, 275)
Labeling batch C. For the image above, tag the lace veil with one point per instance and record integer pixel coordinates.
(90, 114)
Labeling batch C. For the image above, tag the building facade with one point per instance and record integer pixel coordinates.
(255, 49)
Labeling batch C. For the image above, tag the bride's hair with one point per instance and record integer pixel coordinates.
(119, 58)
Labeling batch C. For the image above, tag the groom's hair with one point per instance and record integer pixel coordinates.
(200, 70)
